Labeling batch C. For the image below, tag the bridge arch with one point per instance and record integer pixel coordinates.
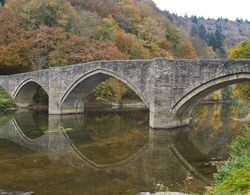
(25, 91)
(184, 106)
(72, 99)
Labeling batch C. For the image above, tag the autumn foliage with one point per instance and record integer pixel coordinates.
(38, 34)
(45, 33)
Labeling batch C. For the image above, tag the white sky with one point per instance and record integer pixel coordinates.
(230, 9)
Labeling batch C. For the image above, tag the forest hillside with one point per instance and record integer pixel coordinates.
(45, 33)
(221, 34)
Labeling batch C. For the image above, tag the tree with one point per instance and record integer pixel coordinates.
(238, 52)
(106, 30)
(180, 47)
(202, 32)
(123, 40)
(33, 48)
(216, 40)
(69, 18)
(75, 49)
(51, 46)
(194, 31)
(130, 9)
(10, 31)
(36, 13)
(194, 19)
(204, 51)
(110, 90)
(151, 30)
(103, 8)
(186, 50)
(14, 54)
(90, 21)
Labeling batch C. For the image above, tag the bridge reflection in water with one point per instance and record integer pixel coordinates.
(157, 158)
(141, 157)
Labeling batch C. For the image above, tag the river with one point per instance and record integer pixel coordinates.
(113, 151)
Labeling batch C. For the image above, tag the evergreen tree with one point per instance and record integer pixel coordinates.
(219, 37)
(194, 30)
(202, 32)
(216, 40)
(194, 19)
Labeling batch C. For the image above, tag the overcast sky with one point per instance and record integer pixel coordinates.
(230, 9)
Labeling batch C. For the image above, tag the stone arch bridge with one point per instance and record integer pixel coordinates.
(169, 88)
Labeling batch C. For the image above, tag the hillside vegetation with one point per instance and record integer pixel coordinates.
(241, 51)
(233, 177)
(45, 33)
(5, 100)
(211, 37)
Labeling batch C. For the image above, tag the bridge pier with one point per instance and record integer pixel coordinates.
(56, 108)
(70, 108)
(166, 120)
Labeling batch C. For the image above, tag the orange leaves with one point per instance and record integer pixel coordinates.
(63, 48)
(131, 10)
(187, 51)
(76, 49)
(42, 33)
(102, 7)
(14, 54)
(50, 46)
(123, 40)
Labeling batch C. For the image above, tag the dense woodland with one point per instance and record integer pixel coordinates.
(37, 34)
(45, 33)
(218, 34)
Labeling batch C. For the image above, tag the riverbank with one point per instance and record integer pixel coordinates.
(233, 177)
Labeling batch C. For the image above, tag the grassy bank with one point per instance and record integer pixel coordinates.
(234, 176)
(5, 100)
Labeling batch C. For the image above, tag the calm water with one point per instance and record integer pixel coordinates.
(113, 151)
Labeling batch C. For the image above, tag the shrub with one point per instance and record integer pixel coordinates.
(234, 176)
(5, 100)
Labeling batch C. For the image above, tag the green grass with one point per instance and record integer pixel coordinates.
(234, 176)
(5, 100)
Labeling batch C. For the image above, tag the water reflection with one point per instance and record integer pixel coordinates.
(32, 123)
(213, 128)
(107, 137)
(112, 152)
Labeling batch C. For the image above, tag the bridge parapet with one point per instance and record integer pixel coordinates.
(169, 88)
